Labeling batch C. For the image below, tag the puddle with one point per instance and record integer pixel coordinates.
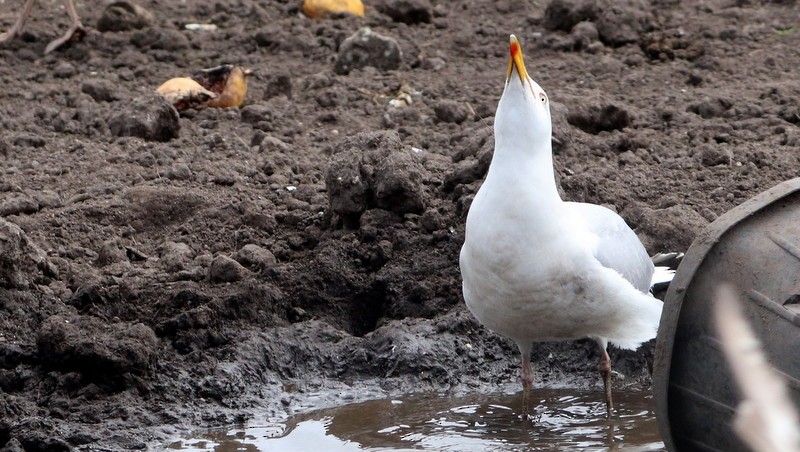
(564, 419)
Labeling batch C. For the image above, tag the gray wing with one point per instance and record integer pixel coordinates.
(619, 248)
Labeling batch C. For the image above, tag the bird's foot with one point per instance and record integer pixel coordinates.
(12, 33)
(75, 33)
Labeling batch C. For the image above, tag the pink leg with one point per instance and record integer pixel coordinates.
(75, 32)
(604, 367)
(527, 377)
(16, 29)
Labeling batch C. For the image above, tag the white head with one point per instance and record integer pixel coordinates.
(522, 120)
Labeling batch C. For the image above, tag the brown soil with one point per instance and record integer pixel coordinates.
(271, 250)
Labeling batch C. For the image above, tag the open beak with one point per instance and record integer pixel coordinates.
(515, 60)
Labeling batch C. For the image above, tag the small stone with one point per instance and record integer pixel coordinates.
(711, 108)
(367, 48)
(175, 256)
(278, 85)
(179, 171)
(406, 11)
(124, 16)
(18, 205)
(271, 144)
(623, 21)
(253, 114)
(92, 346)
(160, 39)
(64, 69)
(715, 155)
(101, 90)
(452, 111)
(255, 257)
(20, 260)
(223, 269)
(48, 198)
(111, 252)
(28, 140)
(564, 14)
(596, 118)
(433, 64)
(583, 35)
(150, 117)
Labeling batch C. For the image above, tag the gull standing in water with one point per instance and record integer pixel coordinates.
(536, 268)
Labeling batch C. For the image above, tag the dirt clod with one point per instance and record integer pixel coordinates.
(95, 348)
(368, 48)
(406, 11)
(148, 117)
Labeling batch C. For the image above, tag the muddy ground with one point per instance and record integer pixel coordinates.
(308, 240)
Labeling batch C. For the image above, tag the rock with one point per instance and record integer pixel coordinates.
(179, 171)
(433, 63)
(583, 35)
(29, 140)
(150, 117)
(374, 169)
(713, 155)
(47, 199)
(564, 14)
(110, 253)
(20, 260)
(406, 11)
(562, 130)
(596, 118)
(223, 269)
(711, 108)
(624, 21)
(278, 85)
(13, 445)
(16, 205)
(124, 16)
(93, 347)
(271, 144)
(253, 114)
(101, 90)
(175, 256)
(255, 257)
(398, 183)
(367, 48)
(197, 318)
(452, 111)
(160, 39)
(665, 230)
(64, 69)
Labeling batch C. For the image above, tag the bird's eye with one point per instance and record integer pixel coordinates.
(542, 97)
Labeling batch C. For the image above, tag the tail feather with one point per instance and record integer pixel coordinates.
(636, 315)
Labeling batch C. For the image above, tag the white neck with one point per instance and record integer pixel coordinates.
(527, 167)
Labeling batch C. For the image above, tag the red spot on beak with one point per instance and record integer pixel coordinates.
(514, 49)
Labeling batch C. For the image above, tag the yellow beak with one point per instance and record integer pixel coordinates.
(515, 60)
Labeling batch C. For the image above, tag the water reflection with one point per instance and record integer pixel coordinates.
(562, 420)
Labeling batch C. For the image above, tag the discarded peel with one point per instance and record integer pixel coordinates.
(319, 9)
(228, 82)
(183, 93)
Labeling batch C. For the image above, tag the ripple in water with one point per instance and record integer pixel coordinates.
(562, 420)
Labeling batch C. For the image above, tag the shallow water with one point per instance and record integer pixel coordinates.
(563, 419)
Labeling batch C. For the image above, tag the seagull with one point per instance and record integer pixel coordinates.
(74, 32)
(536, 268)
